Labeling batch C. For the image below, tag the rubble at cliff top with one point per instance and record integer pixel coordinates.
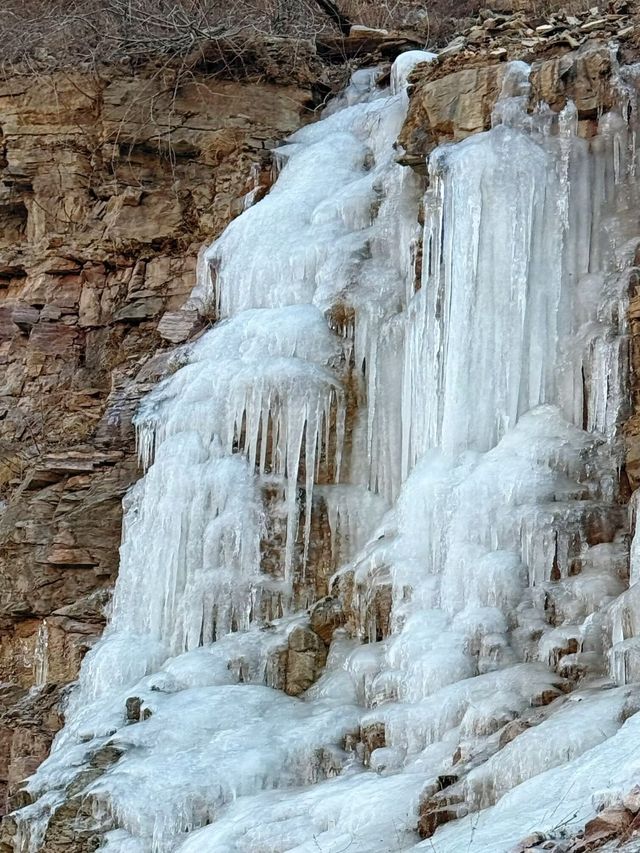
(496, 36)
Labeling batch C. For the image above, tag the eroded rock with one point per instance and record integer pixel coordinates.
(102, 213)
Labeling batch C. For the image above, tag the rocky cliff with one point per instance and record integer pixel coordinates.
(112, 180)
(111, 183)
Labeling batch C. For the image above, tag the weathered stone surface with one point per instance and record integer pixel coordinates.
(511, 731)
(631, 800)
(612, 823)
(100, 224)
(431, 818)
(372, 736)
(306, 655)
(446, 107)
(134, 710)
(327, 615)
(178, 326)
(584, 77)
(109, 184)
(632, 427)
(449, 107)
(28, 722)
(530, 841)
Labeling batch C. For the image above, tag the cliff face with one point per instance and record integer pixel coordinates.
(109, 184)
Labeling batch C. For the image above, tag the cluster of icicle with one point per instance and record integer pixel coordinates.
(461, 432)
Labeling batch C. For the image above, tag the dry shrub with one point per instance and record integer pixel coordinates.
(434, 21)
(61, 33)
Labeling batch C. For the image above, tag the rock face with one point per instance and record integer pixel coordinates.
(109, 184)
(451, 107)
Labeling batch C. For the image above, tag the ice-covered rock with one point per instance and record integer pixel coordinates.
(450, 398)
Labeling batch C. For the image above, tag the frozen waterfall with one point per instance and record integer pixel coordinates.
(443, 401)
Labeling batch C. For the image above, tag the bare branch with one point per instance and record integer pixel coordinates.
(336, 15)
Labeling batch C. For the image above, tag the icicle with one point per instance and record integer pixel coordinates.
(41, 654)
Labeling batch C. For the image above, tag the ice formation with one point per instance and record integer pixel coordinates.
(460, 434)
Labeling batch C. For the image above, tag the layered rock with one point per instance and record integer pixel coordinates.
(451, 107)
(107, 234)
(110, 182)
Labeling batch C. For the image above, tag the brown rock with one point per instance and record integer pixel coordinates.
(179, 326)
(527, 843)
(52, 338)
(70, 557)
(89, 311)
(610, 823)
(373, 736)
(631, 800)
(24, 316)
(98, 244)
(432, 818)
(450, 107)
(584, 77)
(615, 818)
(327, 615)
(306, 656)
(512, 730)
(141, 309)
